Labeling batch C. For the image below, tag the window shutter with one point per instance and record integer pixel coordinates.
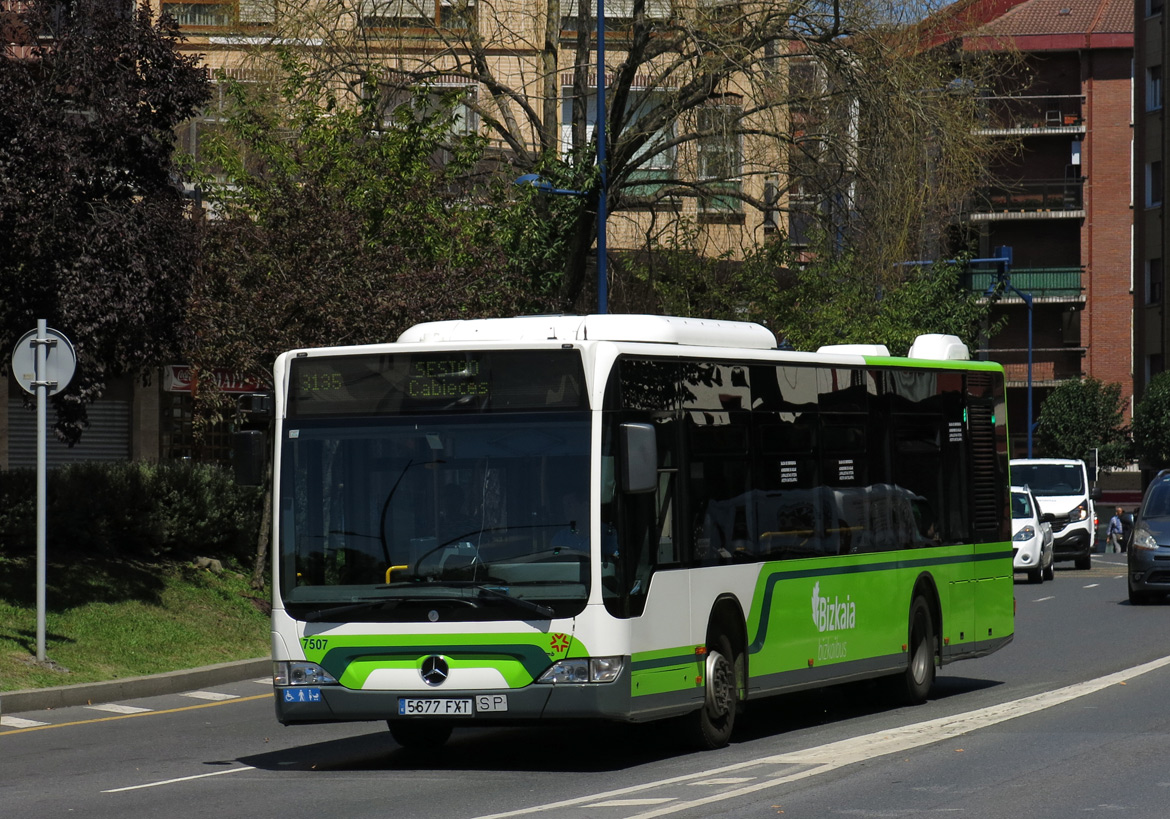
(399, 8)
(257, 11)
(655, 9)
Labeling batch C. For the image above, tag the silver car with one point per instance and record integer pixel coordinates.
(1031, 536)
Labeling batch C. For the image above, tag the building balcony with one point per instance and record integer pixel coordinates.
(1050, 365)
(1045, 284)
(1033, 115)
(1029, 199)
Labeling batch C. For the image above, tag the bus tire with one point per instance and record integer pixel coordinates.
(712, 724)
(419, 735)
(919, 675)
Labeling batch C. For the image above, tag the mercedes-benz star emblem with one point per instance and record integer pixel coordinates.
(434, 670)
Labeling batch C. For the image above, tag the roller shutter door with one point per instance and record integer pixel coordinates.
(106, 439)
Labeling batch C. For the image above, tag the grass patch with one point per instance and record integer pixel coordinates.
(107, 620)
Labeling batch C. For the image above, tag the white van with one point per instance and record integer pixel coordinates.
(1062, 488)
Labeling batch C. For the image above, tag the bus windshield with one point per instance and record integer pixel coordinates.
(405, 518)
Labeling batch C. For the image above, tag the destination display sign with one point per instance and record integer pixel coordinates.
(466, 381)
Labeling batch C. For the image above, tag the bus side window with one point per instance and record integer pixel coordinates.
(719, 484)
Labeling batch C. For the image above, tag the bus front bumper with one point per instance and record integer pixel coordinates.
(608, 701)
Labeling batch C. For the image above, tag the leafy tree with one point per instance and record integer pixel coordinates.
(836, 300)
(706, 104)
(95, 227)
(1083, 415)
(887, 149)
(335, 225)
(346, 224)
(830, 300)
(676, 278)
(1151, 423)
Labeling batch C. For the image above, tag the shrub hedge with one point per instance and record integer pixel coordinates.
(149, 511)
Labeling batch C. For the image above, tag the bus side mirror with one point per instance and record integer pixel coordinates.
(639, 458)
(249, 456)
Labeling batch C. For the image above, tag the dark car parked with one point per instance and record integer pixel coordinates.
(1148, 555)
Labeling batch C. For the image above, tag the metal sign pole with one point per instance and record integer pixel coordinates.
(42, 343)
(43, 364)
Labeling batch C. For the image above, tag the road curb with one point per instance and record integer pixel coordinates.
(173, 682)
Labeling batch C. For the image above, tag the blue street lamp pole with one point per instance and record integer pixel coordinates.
(546, 187)
(602, 278)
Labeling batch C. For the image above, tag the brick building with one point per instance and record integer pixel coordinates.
(1063, 202)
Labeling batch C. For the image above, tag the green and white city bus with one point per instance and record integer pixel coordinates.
(627, 518)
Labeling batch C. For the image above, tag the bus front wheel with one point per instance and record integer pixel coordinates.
(419, 735)
(919, 676)
(712, 724)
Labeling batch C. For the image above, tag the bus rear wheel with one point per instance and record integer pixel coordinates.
(419, 735)
(712, 724)
(919, 675)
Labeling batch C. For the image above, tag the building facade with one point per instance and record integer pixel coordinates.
(1150, 177)
(527, 79)
(1063, 202)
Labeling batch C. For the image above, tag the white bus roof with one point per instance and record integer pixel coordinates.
(647, 329)
(614, 327)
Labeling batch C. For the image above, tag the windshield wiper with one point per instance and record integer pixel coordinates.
(498, 594)
(390, 603)
(373, 604)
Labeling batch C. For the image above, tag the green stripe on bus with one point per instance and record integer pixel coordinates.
(777, 575)
(359, 655)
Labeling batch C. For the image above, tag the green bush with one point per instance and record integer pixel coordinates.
(132, 510)
(1151, 423)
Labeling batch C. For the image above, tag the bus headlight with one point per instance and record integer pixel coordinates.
(583, 670)
(301, 673)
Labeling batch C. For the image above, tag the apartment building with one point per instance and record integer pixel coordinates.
(692, 141)
(1062, 202)
(1151, 240)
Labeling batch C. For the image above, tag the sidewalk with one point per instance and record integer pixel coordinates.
(173, 682)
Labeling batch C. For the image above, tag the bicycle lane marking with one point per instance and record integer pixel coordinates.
(825, 758)
(47, 726)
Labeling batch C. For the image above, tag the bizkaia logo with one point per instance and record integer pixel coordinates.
(832, 615)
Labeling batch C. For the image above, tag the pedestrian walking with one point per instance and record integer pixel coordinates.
(1113, 533)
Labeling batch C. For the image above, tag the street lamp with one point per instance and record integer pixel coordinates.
(544, 186)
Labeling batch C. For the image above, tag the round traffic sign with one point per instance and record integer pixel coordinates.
(60, 362)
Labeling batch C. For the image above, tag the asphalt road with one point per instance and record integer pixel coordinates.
(1067, 720)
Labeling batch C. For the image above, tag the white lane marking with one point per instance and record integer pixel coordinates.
(179, 779)
(724, 780)
(210, 695)
(263, 681)
(114, 708)
(17, 722)
(1092, 585)
(825, 758)
(1043, 599)
(629, 803)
